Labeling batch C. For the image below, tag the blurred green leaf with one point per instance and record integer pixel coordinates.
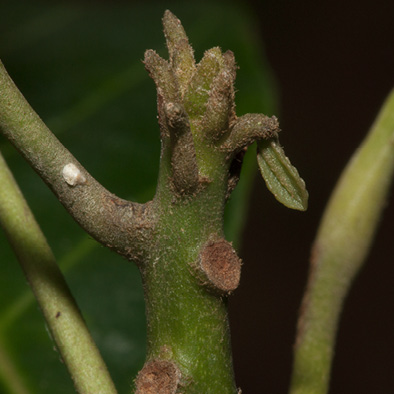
(79, 67)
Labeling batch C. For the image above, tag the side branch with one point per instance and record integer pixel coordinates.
(248, 129)
(112, 221)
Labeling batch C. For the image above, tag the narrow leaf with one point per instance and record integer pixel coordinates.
(281, 177)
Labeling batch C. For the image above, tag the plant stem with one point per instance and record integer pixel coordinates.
(100, 213)
(342, 244)
(192, 269)
(62, 315)
(187, 323)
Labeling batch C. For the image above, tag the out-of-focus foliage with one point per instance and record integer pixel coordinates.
(79, 66)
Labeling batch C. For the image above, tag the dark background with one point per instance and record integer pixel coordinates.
(334, 65)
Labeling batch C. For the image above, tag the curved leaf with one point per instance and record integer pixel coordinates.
(281, 177)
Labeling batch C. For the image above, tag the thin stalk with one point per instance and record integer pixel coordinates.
(60, 310)
(94, 208)
(342, 244)
(16, 309)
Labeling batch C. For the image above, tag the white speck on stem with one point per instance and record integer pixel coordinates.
(73, 175)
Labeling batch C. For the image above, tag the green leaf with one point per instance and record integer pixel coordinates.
(80, 68)
(281, 177)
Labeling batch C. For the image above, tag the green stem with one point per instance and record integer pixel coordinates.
(63, 317)
(187, 323)
(342, 244)
(191, 269)
(16, 309)
(94, 208)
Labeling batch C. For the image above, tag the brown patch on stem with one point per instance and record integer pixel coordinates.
(158, 377)
(220, 266)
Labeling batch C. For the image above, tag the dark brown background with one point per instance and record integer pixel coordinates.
(334, 64)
